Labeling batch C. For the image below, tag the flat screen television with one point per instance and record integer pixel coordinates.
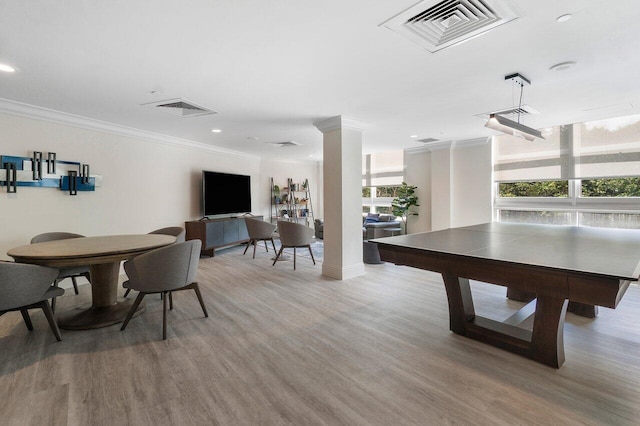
(225, 193)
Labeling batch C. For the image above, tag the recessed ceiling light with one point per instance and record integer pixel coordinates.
(310, 155)
(562, 66)
(413, 136)
(216, 130)
(7, 68)
(564, 18)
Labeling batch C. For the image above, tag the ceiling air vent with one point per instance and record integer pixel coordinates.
(436, 25)
(523, 111)
(180, 107)
(285, 143)
(428, 140)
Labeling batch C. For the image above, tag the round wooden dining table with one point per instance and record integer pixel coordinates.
(103, 255)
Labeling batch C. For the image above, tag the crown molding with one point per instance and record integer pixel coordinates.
(417, 150)
(305, 162)
(339, 122)
(469, 143)
(45, 114)
(437, 146)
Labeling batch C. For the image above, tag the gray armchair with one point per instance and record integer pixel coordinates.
(164, 270)
(174, 231)
(259, 230)
(25, 287)
(293, 235)
(71, 272)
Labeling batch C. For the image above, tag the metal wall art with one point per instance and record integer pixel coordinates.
(68, 176)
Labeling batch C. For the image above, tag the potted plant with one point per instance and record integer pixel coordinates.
(276, 194)
(404, 201)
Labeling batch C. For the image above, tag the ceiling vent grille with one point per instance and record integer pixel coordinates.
(180, 107)
(522, 111)
(284, 143)
(436, 25)
(428, 140)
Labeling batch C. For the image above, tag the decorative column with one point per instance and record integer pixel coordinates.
(441, 185)
(342, 182)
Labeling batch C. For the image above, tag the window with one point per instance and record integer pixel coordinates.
(609, 220)
(383, 209)
(541, 217)
(554, 188)
(585, 174)
(382, 174)
(380, 202)
(386, 191)
(621, 187)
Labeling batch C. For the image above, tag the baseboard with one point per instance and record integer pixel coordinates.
(343, 273)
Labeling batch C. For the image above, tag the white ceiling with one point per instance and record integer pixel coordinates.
(272, 68)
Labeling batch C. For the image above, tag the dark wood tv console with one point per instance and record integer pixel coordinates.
(218, 233)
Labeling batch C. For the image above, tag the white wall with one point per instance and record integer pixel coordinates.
(454, 185)
(418, 173)
(471, 200)
(319, 206)
(146, 184)
(441, 187)
(280, 171)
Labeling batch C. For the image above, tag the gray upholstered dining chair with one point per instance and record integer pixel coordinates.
(164, 270)
(259, 230)
(174, 231)
(72, 272)
(293, 235)
(24, 287)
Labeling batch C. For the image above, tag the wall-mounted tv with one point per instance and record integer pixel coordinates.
(225, 193)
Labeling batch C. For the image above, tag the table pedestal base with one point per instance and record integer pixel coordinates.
(581, 309)
(106, 308)
(87, 317)
(543, 344)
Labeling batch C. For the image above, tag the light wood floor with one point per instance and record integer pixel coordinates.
(285, 347)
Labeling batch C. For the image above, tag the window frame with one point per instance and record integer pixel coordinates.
(374, 202)
(613, 141)
(574, 203)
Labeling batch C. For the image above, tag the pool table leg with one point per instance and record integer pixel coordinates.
(544, 343)
(461, 309)
(547, 340)
(581, 309)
